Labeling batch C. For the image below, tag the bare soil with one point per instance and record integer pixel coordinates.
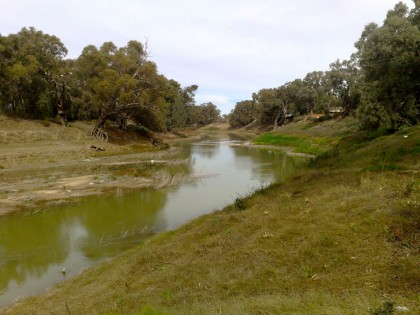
(43, 163)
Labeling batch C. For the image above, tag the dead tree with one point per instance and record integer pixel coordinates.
(60, 93)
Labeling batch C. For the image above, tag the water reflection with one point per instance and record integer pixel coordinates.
(35, 248)
(266, 163)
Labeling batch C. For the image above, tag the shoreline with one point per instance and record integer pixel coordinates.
(60, 166)
(66, 185)
(286, 150)
(43, 166)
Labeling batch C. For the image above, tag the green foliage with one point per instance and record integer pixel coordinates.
(381, 82)
(108, 82)
(239, 204)
(183, 111)
(388, 55)
(121, 81)
(318, 91)
(204, 114)
(342, 80)
(24, 91)
(268, 105)
(243, 114)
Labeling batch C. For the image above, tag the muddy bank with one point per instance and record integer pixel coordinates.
(30, 186)
(287, 150)
(43, 165)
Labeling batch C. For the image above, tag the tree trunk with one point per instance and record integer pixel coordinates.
(59, 91)
(276, 121)
(282, 114)
(97, 130)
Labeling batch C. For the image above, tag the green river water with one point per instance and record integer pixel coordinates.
(35, 247)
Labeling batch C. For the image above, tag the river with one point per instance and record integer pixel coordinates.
(40, 249)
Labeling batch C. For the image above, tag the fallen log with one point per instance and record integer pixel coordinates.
(97, 148)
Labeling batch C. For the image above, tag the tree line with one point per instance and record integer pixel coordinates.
(108, 83)
(379, 84)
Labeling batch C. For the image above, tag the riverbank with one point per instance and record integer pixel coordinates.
(44, 164)
(341, 237)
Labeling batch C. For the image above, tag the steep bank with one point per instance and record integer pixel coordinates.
(342, 237)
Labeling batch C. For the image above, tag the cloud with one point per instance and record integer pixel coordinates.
(230, 49)
(221, 101)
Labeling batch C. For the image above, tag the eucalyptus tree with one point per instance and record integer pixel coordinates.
(204, 114)
(244, 113)
(343, 82)
(121, 83)
(316, 91)
(389, 59)
(26, 91)
(267, 105)
(180, 104)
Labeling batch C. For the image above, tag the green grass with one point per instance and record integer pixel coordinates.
(341, 237)
(301, 144)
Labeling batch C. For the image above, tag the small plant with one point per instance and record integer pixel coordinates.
(386, 309)
(46, 123)
(239, 204)
(308, 271)
(168, 295)
(407, 189)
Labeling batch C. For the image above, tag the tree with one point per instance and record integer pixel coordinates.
(121, 83)
(24, 90)
(267, 105)
(179, 113)
(343, 78)
(391, 71)
(60, 93)
(316, 91)
(105, 83)
(204, 114)
(244, 113)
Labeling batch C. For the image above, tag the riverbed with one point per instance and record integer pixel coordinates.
(43, 247)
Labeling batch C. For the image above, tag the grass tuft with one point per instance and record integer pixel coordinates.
(386, 309)
(239, 204)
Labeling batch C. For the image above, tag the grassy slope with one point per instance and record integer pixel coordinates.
(340, 238)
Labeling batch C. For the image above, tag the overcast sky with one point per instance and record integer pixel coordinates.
(229, 48)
